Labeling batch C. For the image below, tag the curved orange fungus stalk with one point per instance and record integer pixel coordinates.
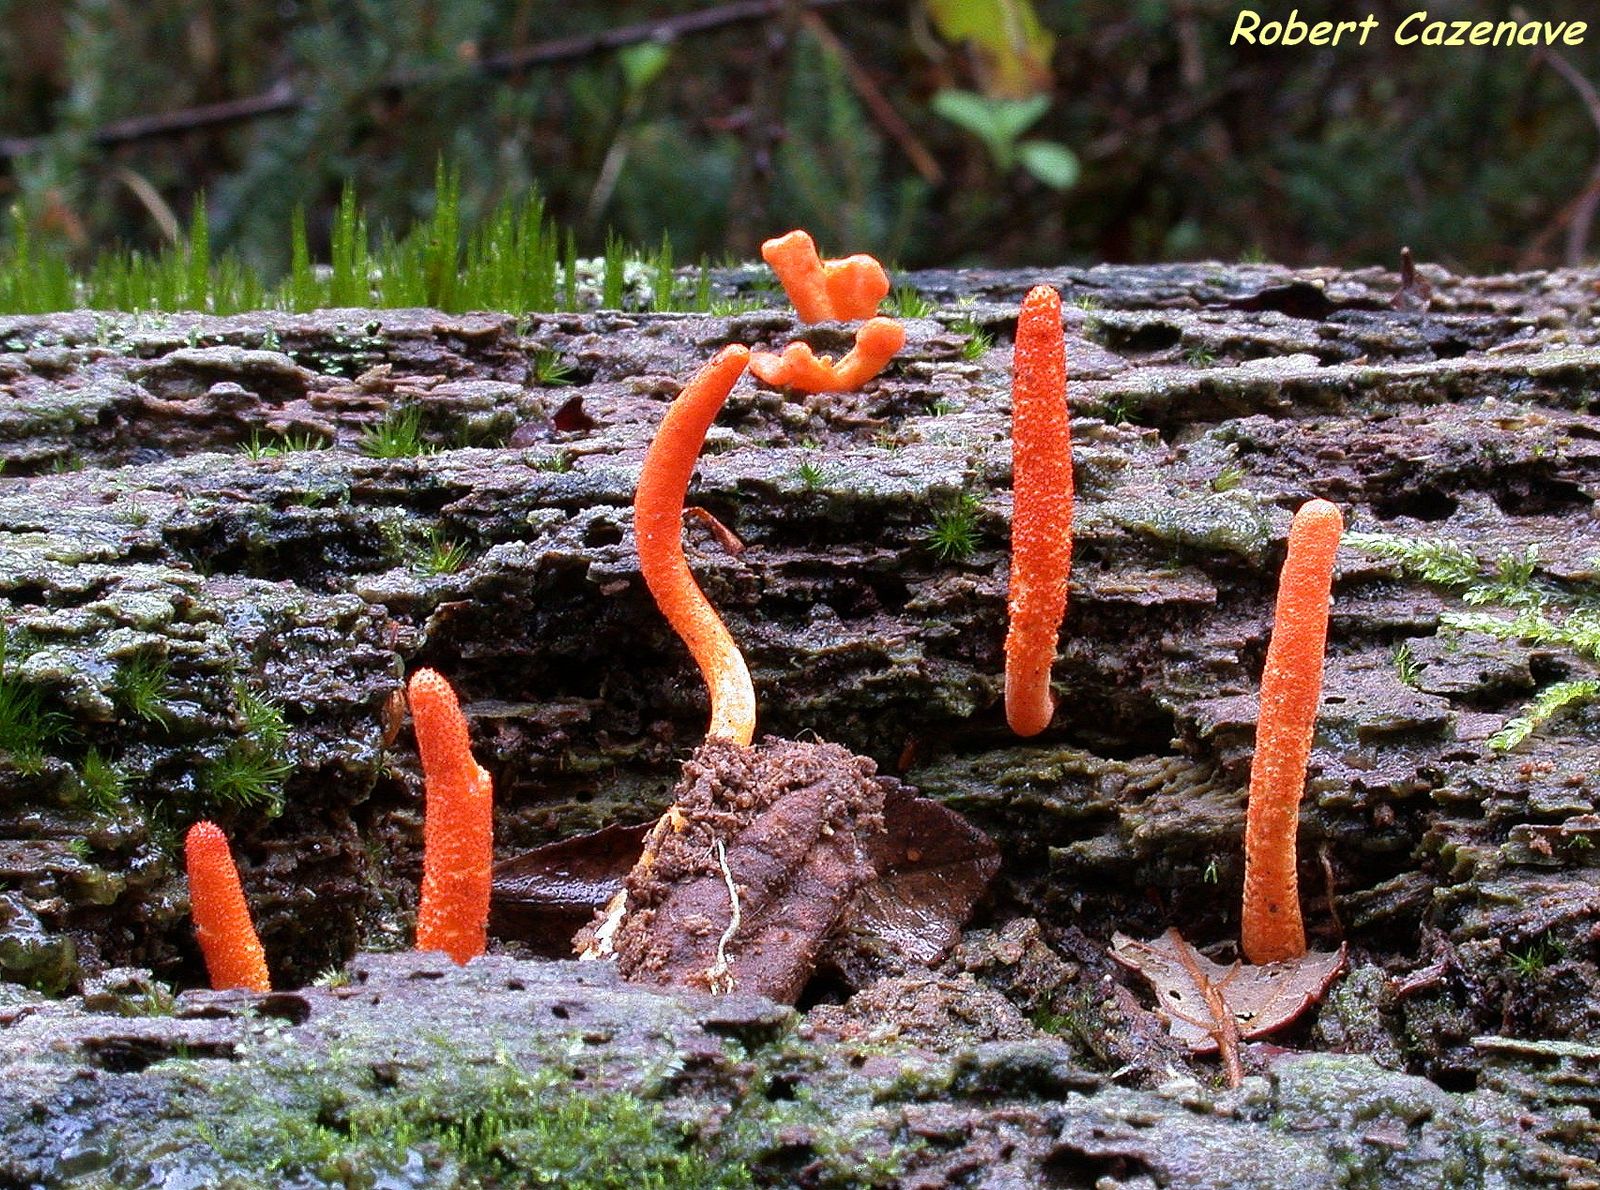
(877, 342)
(1041, 514)
(822, 290)
(658, 530)
(228, 940)
(458, 824)
(1291, 685)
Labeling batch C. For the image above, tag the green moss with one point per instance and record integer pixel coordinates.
(953, 536)
(495, 1125)
(441, 556)
(398, 436)
(27, 728)
(102, 781)
(250, 772)
(142, 687)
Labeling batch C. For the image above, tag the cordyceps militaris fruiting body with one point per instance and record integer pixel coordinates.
(822, 290)
(658, 530)
(233, 953)
(1041, 515)
(798, 367)
(1291, 686)
(458, 825)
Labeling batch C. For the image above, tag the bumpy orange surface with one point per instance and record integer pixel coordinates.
(1041, 512)
(877, 342)
(1291, 686)
(822, 290)
(658, 530)
(458, 824)
(228, 940)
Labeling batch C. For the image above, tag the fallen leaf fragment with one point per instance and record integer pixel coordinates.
(545, 896)
(1258, 1000)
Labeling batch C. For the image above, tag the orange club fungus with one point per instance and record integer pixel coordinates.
(877, 342)
(1041, 515)
(458, 826)
(658, 530)
(228, 940)
(1291, 686)
(825, 290)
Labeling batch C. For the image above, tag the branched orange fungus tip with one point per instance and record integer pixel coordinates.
(877, 342)
(658, 530)
(822, 290)
(1041, 513)
(458, 824)
(228, 939)
(1291, 685)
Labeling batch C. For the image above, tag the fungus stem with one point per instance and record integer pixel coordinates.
(1041, 512)
(658, 531)
(458, 824)
(228, 940)
(1291, 686)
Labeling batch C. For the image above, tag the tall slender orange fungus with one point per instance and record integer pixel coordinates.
(228, 940)
(1041, 514)
(658, 530)
(458, 824)
(1291, 686)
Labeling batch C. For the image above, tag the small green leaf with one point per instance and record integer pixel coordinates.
(642, 64)
(1052, 163)
(996, 122)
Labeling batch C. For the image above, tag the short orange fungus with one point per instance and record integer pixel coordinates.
(228, 940)
(1291, 686)
(458, 824)
(1041, 511)
(658, 531)
(876, 344)
(825, 290)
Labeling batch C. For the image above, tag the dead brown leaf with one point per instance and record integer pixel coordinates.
(1257, 1000)
(545, 896)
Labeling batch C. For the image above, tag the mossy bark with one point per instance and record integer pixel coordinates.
(1209, 401)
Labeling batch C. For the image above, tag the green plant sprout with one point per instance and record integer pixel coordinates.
(908, 302)
(142, 688)
(1544, 614)
(442, 557)
(549, 369)
(26, 727)
(398, 436)
(250, 772)
(1000, 123)
(953, 536)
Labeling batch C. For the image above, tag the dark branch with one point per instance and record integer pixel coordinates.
(282, 97)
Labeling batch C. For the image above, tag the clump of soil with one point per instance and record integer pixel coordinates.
(773, 841)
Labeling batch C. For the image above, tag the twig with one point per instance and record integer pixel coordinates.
(877, 102)
(1578, 215)
(282, 96)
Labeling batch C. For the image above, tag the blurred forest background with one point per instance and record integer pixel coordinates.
(931, 132)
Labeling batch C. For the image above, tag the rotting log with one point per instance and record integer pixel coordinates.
(161, 581)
